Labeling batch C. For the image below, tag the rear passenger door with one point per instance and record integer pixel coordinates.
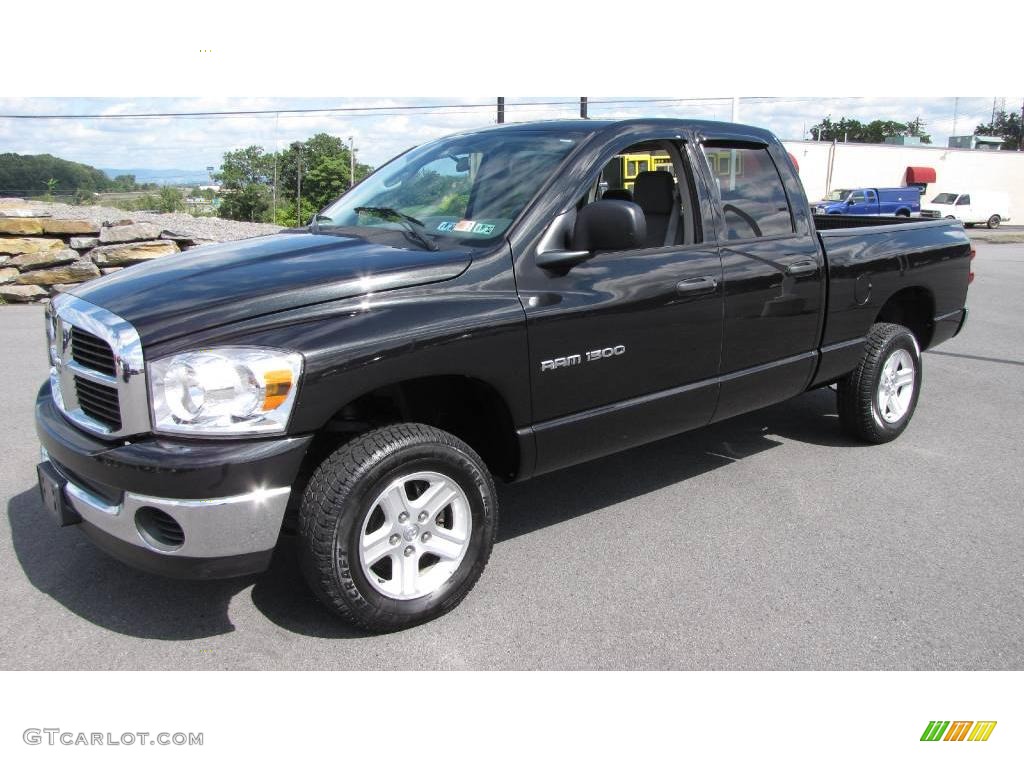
(772, 273)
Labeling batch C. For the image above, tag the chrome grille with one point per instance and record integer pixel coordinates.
(97, 373)
(92, 352)
(99, 402)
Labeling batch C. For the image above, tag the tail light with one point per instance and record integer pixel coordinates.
(970, 274)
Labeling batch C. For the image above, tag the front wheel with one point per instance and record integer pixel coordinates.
(397, 526)
(994, 221)
(877, 399)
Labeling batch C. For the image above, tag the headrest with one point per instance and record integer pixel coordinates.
(618, 194)
(654, 191)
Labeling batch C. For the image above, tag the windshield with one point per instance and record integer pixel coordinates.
(838, 195)
(946, 198)
(466, 188)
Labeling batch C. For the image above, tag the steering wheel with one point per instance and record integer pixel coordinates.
(730, 208)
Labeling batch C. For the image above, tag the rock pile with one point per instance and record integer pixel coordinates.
(41, 255)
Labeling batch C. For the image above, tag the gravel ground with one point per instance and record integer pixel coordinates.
(207, 228)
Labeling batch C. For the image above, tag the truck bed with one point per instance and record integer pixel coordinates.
(870, 260)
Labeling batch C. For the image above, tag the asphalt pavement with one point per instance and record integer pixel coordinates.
(770, 541)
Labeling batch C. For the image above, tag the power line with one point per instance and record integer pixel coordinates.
(375, 111)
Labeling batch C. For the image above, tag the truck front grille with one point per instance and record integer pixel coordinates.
(99, 402)
(92, 352)
(97, 369)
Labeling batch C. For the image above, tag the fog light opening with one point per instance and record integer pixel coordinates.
(159, 530)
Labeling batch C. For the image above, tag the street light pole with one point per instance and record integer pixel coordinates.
(298, 185)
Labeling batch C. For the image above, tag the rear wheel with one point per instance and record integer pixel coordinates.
(994, 221)
(877, 400)
(397, 526)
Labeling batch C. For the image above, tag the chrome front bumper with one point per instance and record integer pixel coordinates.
(212, 528)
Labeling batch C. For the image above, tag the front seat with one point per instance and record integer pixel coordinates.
(655, 193)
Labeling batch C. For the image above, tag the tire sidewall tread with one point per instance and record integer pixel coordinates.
(337, 498)
(856, 393)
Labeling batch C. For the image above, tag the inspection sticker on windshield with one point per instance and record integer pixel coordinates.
(464, 226)
(483, 229)
(446, 226)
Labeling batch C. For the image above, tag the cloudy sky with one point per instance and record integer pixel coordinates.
(196, 142)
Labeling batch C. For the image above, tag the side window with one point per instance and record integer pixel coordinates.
(964, 200)
(857, 197)
(870, 195)
(754, 202)
(656, 176)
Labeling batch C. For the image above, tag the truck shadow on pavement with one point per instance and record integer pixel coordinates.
(64, 565)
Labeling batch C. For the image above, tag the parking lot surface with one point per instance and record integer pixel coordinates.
(770, 541)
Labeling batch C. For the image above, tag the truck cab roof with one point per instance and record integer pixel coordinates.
(594, 127)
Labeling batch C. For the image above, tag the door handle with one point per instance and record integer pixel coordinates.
(694, 285)
(802, 268)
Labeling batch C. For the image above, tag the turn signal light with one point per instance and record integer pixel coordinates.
(970, 275)
(277, 385)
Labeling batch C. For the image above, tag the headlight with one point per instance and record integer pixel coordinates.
(224, 391)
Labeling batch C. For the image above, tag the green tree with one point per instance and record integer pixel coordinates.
(245, 176)
(1007, 126)
(874, 132)
(26, 175)
(170, 200)
(124, 182)
(326, 170)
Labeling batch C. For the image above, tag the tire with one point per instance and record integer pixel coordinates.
(365, 562)
(873, 406)
(993, 221)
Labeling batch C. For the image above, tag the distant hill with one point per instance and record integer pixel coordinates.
(27, 175)
(161, 175)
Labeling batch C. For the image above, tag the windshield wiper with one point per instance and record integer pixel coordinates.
(412, 226)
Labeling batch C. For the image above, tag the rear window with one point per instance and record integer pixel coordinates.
(754, 202)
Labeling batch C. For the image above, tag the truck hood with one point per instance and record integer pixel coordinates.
(219, 284)
(828, 204)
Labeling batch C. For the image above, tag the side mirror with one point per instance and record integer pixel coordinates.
(603, 225)
(609, 225)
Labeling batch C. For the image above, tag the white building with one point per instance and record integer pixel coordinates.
(825, 166)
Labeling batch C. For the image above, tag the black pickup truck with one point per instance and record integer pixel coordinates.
(496, 304)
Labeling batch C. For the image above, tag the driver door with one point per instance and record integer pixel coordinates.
(624, 347)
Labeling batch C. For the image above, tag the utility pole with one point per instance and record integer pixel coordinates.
(277, 152)
(298, 186)
(956, 112)
(501, 110)
(1020, 133)
(583, 107)
(351, 163)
